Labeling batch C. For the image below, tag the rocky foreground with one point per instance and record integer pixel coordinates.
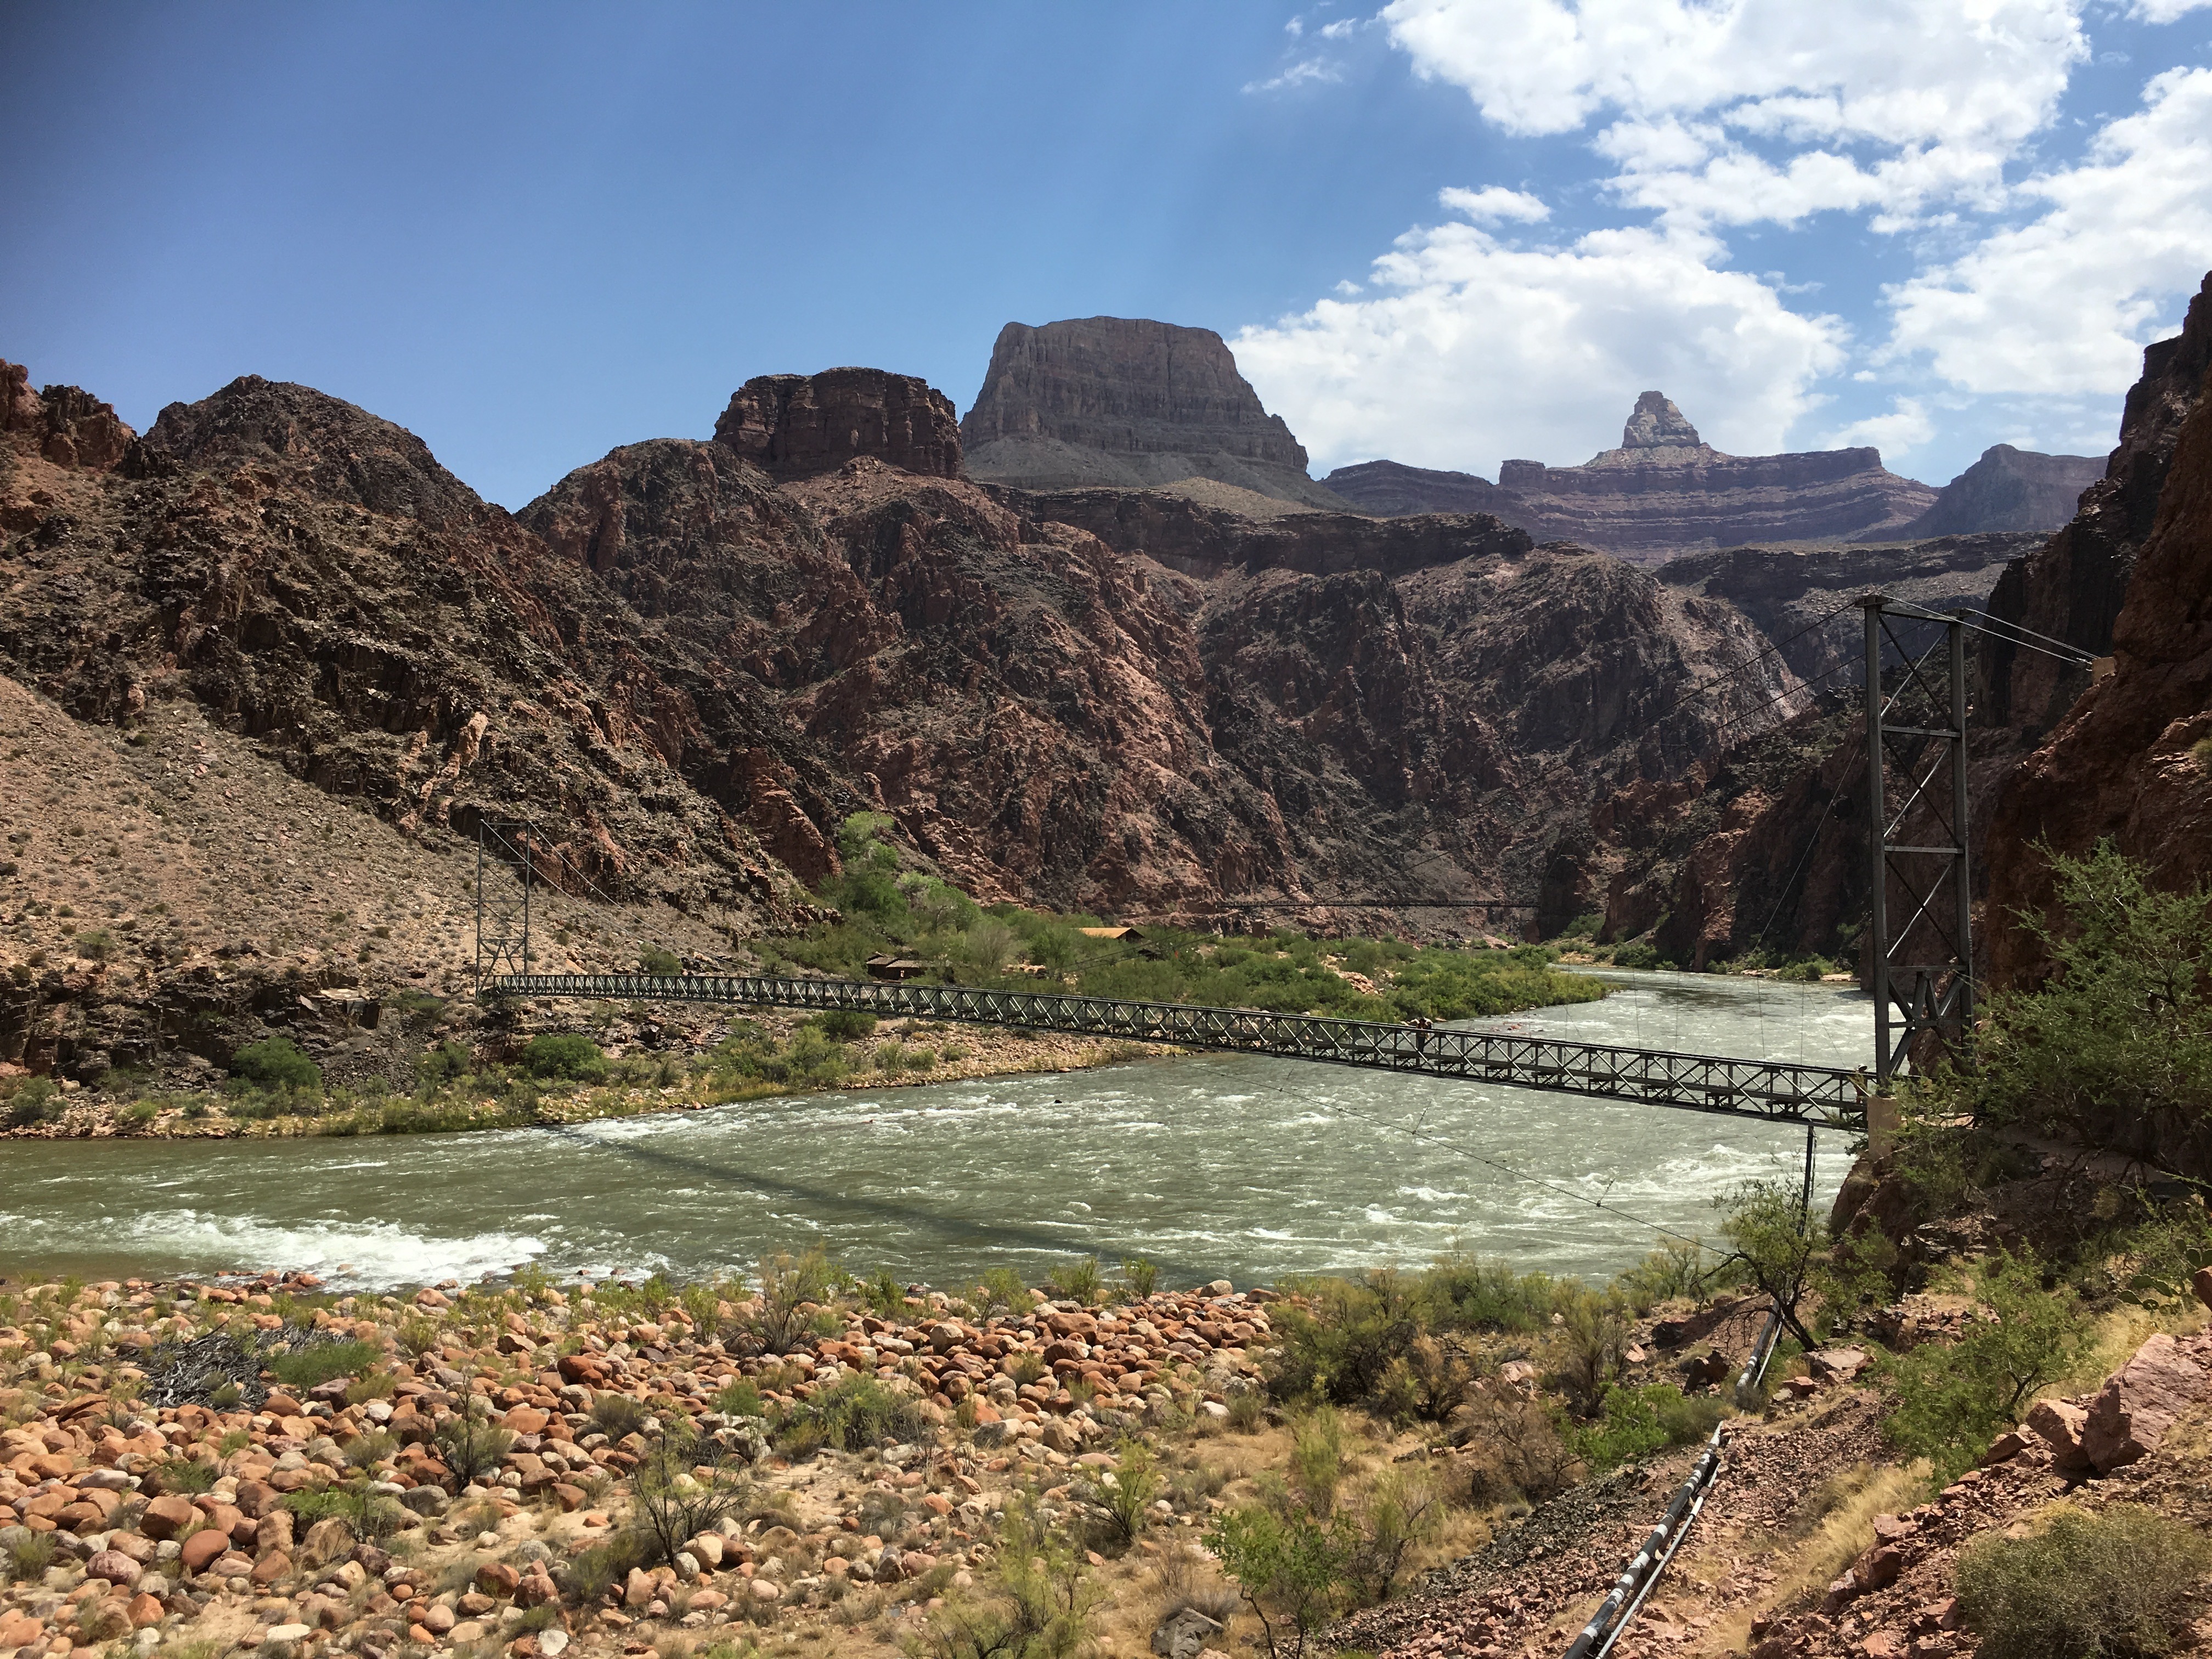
(160, 1483)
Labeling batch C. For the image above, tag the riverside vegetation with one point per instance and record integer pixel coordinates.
(510, 1077)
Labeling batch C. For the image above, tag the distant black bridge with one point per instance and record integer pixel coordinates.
(1818, 1096)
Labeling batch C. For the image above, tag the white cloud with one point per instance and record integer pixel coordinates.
(2165, 11)
(1306, 72)
(1904, 428)
(1495, 203)
(2062, 304)
(1479, 350)
(1897, 104)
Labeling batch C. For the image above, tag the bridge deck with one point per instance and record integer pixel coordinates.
(1778, 1091)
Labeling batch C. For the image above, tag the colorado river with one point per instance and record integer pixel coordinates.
(1211, 1166)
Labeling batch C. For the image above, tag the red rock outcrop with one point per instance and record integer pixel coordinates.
(797, 426)
(62, 424)
(1127, 403)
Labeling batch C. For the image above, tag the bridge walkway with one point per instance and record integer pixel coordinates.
(1776, 1092)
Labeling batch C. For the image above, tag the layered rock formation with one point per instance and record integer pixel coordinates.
(1664, 491)
(2009, 489)
(1128, 403)
(797, 426)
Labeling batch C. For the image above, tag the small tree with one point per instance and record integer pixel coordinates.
(788, 1285)
(1777, 1243)
(2122, 1030)
(684, 1486)
(1291, 1570)
(471, 1445)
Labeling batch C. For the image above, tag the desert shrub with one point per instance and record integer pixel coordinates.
(182, 1474)
(1291, 1570)
(854, 1411)
(369, 1515)
(1775, 1244)
(604, 1565)
(568, 1055)
(2088, 1587)
(471, 1445)
(1139, 1278)
(741, 1399)
(139, 1115)
(307, 1367)
(1124, 1493)
(1461, 1292)
(1637, 953)
(1635, 1422)
(884, 1293)
(1953, 1398)
(32, 1101)
(845, 1024)
(1077, 1279)
(789, 1285)
(1317, 1459)
(1592, 1346)
(1341, 1347)
(370, 1447)
(99, 945)
(1518, 1445)
(1677, 1267)
(371, 1385)
(1000, 1287)
(276, 1062)
(1035, 1603)
(682, 1487)
(1247, 1411)
(655, 960)
(616, 1415)
(29, 1558)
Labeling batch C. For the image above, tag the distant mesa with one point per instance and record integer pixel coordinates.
(2009, 489)
(798, 426)
(1128, 403)
(1665, 492)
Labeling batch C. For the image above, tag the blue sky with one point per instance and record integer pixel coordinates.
(530, 233)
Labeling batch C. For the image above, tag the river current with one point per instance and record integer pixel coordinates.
(1213, 1166)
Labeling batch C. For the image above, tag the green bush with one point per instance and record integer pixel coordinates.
(854, 1411)
(652, 959)
(1077, 1279)
(845, 1025)
(470, 1445)
(276, 1063)
(308, 1366)
(181, 1474)
(568, 1055)
(1637, 953)
(2088, 1587)
(1124, 1493)
(1636, 1422)
(1139, 1278)
(32, 1101)
(99, 945)
(1953, 1400)
(2121, 1033)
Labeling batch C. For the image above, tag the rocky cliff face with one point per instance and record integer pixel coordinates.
(1391, 489)
(2130, 760)
(2072, 589)
(2009, 489)
(1128, 403)
(797, 426)
(62, 424)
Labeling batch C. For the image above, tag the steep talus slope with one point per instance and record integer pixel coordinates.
(1127, 403)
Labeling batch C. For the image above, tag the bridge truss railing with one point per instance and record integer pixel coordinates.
(1778, 1091)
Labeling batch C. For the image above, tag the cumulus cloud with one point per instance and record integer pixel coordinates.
(2063, 303)
(1495, 203)
(1476, 350)
(1704, 120)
